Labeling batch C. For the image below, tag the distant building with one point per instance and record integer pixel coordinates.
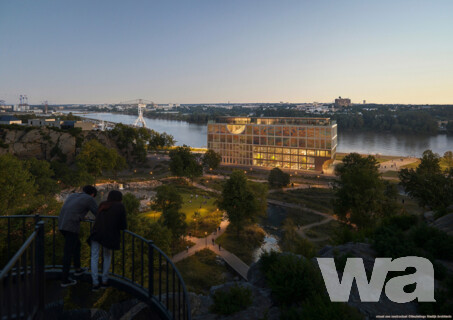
(67, 124)
(9, 120)
(44, 122)
(291, 143)
(85, 126)
(342, 102)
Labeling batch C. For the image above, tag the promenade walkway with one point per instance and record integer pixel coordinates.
(206, 243)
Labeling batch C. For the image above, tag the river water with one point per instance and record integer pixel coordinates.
(194, 135)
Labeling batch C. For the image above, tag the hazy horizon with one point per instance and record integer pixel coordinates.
(88, 52)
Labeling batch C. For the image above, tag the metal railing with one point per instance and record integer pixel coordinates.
(139, 267)
(22, 280)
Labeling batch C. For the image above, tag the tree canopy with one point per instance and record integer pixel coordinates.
(96, 159)
(361, 195)
(17, 184)
(212, 159)
(169, 201)
(278, 178)
(428, 184)
(240, 200)
(183, 163)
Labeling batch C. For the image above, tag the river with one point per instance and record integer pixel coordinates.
(194, 135)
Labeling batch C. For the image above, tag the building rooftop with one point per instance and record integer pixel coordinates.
(8, 118)
(275, 120)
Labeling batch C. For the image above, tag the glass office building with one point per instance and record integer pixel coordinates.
(290, 143)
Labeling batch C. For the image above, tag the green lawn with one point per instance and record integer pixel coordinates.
(391, 174)
(195, 199)
(379, 158)
(315, 198)
(201, 271)
(243, 246)
(301, 217)
(327, 229)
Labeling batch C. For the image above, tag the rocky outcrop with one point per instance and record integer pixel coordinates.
(445, 224)
(369, 309)
(262, 306)
(39, 143)
(47, 144)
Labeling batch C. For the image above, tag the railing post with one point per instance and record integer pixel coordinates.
(39, 260)
(150, 269)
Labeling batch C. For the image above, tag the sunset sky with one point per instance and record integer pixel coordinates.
(398, 51)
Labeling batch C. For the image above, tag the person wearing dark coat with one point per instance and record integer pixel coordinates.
(110, 220)
(74, 210)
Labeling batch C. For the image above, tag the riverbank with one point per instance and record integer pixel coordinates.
(366, 142)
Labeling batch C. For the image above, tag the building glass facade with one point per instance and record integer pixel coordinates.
(291, 143)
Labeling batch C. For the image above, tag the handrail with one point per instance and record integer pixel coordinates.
(164, 286)
(18, 255)
(22, 280)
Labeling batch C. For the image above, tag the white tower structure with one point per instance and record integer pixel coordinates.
(140, 120)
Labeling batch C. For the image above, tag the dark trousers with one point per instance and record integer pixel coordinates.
(71, 250)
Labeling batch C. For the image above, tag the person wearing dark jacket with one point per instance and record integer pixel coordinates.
(74, 210)
(110, 220)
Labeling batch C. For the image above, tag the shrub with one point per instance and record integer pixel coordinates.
(437, 243)
(318, 307)
(402, 222)
(235, 299)
(291, 278)
(391, 242)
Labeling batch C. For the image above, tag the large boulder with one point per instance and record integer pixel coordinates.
(369, 309)
(445, 224)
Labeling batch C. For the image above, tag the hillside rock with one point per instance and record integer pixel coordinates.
(369, 309)
(39, 143)
(262, 306)
(445, 224)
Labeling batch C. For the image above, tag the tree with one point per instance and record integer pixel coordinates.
(427, 183)
(16, 184)
(160, 140)
(448, 158)
(184, 163)
(167, 197)
(131, 141)
(175, 221)
(239, 201)
(96, 159)
(43, 176)
(132, 206)
(361, 195)
(278, 178)
(212, 159)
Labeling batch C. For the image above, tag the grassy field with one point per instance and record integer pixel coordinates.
(196, 200)
(315, 198)
(201, 271)
(301, 217)
(379, 158)
(243, 246)
(391, 174)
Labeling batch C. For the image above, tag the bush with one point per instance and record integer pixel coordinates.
(235, 299)
(437, 243)
(391, 242)
(278, 178)
(319, 308)
(402, 222)
(291, 278)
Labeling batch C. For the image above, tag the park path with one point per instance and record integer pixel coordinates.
(206, 243)
(395, 164)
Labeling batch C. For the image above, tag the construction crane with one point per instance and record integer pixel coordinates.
(45, 103)
(141, 105)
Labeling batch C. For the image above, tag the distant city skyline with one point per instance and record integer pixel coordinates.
(231, 51)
